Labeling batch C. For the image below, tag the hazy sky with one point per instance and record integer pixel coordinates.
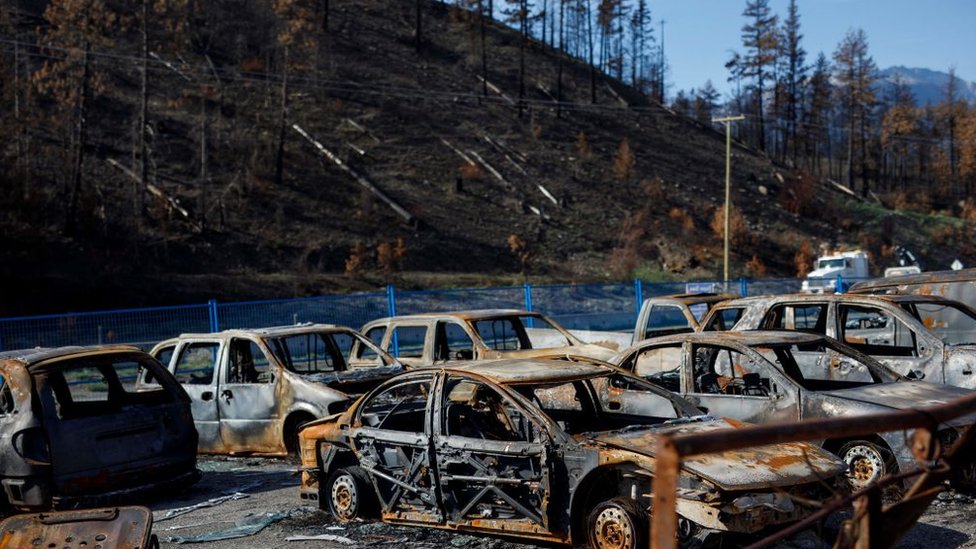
(699, 35)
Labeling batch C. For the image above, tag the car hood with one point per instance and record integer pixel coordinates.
(360, 375)
(777, 465)
(904, 395)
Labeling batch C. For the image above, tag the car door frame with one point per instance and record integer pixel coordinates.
(363, 436)
(203, 398)
(260, 430)
(930, 358)
(791, 395)
(427, 357)
(459, 445)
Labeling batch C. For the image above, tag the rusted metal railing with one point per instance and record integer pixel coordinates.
(935, 468)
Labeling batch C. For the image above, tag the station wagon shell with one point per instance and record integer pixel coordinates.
(540, 487)
(237, 415)
(787, 400)
(78, 433)
(435, 352)
(929, 358)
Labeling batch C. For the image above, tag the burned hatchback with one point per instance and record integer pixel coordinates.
(79, 433)
(525, 448)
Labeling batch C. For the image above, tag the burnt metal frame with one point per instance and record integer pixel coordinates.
(876, 525)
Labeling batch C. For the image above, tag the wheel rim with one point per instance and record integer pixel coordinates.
(865, 465)
(613, 529)
(345, 497)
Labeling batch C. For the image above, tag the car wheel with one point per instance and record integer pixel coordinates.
(866, 462)
(618, 523)
(350, 494)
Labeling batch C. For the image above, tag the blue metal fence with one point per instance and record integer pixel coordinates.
(576, 306)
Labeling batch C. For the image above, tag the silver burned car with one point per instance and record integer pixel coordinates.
(766, 377)
(922, 336)
(251, 390)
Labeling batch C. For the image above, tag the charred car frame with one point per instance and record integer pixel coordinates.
(526, 448)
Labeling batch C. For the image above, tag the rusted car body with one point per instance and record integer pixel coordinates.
(674, 314)
(251, 389)
(116, 527)
(77, 432)
(925, 337)
(442, 338)
(529, 448)
(769, 377)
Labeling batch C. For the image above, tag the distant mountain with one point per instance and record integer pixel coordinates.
(927, 85)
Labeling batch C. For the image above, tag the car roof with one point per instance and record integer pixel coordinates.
(44, 354)
(270, 331)
(692, 299)
(750, 337)
(532, 370)
(932, 277)
(862, 298)
(475, 314)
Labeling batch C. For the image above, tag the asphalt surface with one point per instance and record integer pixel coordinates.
(258, 499)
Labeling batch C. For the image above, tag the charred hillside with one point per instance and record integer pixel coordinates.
(239, 204)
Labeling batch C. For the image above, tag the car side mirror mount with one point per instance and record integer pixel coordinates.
(915, 375)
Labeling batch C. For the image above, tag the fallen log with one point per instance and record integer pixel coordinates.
(171, 202)
(366, 183)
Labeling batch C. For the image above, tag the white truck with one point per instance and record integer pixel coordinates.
(849, 266)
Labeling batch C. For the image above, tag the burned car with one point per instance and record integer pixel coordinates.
(766, 377)
(674, 314)
(78, 432)
(438, 338)
(528, 448)
(252, 389)
(926, 337)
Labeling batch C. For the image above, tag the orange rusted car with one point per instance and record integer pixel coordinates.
(529, 448)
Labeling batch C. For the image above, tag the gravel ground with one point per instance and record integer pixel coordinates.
(256, 492)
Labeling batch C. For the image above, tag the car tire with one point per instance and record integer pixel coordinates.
(866, 461)
(350, 494)
(619, 523)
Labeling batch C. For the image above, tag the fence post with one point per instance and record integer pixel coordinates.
(391, 311)
(839, 288)
(638, 295)
(214, 322)
(743, 287)
(391, 300)
(527, 289)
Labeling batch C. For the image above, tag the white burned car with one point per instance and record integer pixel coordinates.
(440, 338)
(252, 389)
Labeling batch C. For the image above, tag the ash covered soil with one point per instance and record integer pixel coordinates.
(237, 495)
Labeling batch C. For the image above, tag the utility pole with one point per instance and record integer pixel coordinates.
(660, 66)
(728, 183)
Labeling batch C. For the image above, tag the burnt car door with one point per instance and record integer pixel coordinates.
(881, 334)
(247, 404)
(194, 364)
(393, 443)
(492, 460)
(658, 364)
(735, 382)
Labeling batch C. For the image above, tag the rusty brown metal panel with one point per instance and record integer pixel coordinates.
(672, 449)
(110, 527)
(664, 519)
